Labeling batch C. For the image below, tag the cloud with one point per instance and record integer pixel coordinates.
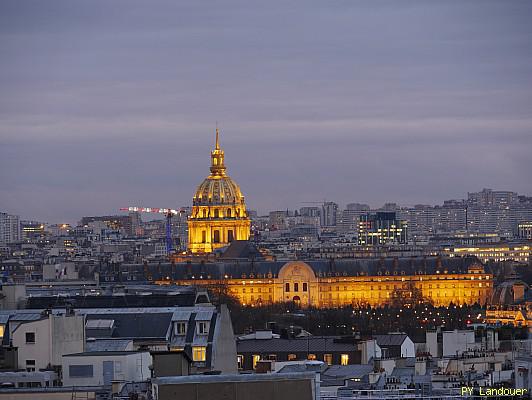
(106, 104)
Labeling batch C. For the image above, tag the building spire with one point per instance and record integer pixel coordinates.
(217, 157)
(217, 146)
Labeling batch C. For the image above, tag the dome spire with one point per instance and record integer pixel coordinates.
(217, 157)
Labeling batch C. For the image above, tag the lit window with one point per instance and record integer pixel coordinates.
(256, 359)
(240, 361)
(292, 357)
(344, 359)
(296, 287)
(199, 353)
(311, 357)
(305, 286)
(2, 329)
(328, 359)
(287, 287)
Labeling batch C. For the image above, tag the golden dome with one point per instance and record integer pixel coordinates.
(218, 188)
(219, 213)
(218, 191)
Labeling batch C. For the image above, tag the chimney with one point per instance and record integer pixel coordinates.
(519, 292)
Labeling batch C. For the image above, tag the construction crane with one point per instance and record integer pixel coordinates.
(168, 212)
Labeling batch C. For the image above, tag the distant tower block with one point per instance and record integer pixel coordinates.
(218, 209)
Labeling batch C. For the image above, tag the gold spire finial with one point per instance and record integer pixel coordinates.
(217, 146)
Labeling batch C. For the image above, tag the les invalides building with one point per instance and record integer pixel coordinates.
(219, 213)
(219, 219)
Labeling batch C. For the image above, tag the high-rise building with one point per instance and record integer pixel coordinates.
(219, 213)
(277, 219)
(496, 211)
(309, 211)
(381, 228)
(9, 228)
(525, 230)
(115, 222)
(349, 218)
(31, 230)
(329, 214)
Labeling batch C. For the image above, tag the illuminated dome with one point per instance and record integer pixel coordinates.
(219, 213)
(218, 191)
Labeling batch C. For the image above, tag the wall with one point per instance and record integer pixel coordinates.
(68, 336)
(248, 388)
(134, 367)
(456, 342)
(224, 343)
(38, 351)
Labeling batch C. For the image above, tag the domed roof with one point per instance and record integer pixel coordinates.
(218, 188)
(218, 191)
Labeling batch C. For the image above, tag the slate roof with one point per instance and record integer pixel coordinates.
(322, 268)
(101, 301)
(153, 325)
(349, 371)
(241, 249)
(390, 339)
(107, 345)
(299, 345)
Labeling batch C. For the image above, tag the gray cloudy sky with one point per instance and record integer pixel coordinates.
(105, 104)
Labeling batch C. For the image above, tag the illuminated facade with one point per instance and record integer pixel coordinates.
(219, 213)
(374, 282)
(520, 253)
(381, 228)
(511, 304)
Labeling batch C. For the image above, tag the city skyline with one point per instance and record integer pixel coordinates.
(106, 106)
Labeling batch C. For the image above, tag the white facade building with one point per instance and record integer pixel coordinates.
(102, 367)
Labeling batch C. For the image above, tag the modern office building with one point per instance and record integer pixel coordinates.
(381, 228)
(329, 214)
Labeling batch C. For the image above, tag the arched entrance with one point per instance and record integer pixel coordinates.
(297, 301)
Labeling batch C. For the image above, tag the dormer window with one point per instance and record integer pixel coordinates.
(181, 328)
(203, 328)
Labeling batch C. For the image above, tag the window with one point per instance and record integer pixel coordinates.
(216, 213)
(203, 328)
(230, 236)
(216, 238)
(80, 371)
(30, 365)
(328, 359)
(311, 357)
(30, 337)
(118, 367)
(305, 286)
(296, 287)
(287, 287)
(199, 353)
(181, 328)
(292, 357)
(344, 359)
(240, 361)
(203, 236)
(2, 329)
(256, 359)
(229, 213)
(272, 357)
